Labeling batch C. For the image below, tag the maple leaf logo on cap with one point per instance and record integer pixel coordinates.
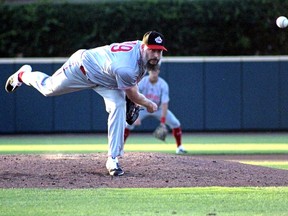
(158, 40)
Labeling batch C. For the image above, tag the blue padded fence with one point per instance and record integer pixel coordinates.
(207, 94)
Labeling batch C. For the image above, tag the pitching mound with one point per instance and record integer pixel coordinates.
(141, 170)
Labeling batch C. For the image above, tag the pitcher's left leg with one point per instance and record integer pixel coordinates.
(116, 107)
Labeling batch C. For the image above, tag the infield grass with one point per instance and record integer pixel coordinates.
(272, 164)
(219, 201)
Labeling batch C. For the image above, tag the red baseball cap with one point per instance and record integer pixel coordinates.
(154, 40)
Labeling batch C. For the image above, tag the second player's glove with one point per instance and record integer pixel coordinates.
(161, 132)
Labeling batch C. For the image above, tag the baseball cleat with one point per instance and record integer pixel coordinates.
(13, 82)
(113, 167)
(181, 150)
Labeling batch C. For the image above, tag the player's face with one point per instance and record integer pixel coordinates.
(152, 57)
(153, 75)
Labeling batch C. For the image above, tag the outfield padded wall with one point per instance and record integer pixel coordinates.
(207, 94)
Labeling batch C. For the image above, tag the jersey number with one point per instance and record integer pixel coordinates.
(123, 47)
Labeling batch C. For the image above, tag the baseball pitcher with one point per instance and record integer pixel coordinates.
(113, 71)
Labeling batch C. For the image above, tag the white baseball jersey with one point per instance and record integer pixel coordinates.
(157, 92)
(108, 71)
(115, 66)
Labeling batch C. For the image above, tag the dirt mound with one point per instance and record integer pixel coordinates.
(141, 170)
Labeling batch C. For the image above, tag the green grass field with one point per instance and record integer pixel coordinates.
(164, 201)
(195, 143)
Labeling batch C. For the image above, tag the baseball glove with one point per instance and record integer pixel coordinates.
(132, 111)
(161, 132)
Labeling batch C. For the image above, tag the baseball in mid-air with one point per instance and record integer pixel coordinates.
(282, 22)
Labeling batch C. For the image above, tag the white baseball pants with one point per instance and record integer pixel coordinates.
(70, 78)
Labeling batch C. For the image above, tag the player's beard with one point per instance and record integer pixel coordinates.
(152, 67)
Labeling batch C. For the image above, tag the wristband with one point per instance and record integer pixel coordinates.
(163, 120)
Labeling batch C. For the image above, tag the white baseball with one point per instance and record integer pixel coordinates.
(282, 22)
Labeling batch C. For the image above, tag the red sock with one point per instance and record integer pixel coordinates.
(20, 76)
(126, 134)
(177, 133)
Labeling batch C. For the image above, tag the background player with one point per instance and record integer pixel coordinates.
(112, 71)
(156, 89)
